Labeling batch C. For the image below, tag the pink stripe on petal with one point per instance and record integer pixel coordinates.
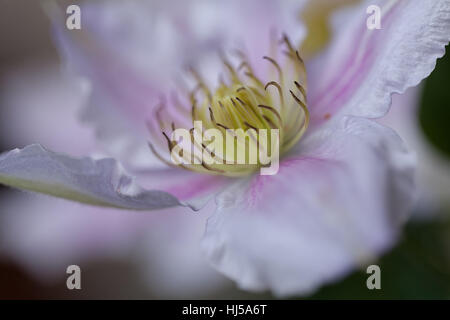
(354, 71)
(197, 186)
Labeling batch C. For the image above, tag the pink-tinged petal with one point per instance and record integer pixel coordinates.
(173, 252)
(362, 67)
(120, 98)
(45, 235)
(332, 208)
(433, 169)
(133, 52)
(40, 104)
(187, 186)
(124, 91)
(97, 182)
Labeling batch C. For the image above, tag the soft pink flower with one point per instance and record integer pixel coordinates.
(342, 192)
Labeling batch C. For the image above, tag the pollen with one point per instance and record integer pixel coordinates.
(245, 108)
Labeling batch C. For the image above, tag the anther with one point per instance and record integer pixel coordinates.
(280, 73)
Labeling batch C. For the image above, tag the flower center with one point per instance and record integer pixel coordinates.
(258, 121)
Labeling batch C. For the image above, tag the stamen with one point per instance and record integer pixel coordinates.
(303, 126)
(230, 68)
(193, 93)
(244, 103)
(161, 158)
(280, 91)
(169, 142)
(226, 113)
(201, 84)
(222, 126)
(280, 73)
(193, 112)
(286, 41)
(301, 67)
(270, 122)
(252, 109)
(300, 102)
(250, 126)
(244, 111)
(274, 111)
(242, 65)
(301, 89)
(254, 78)
(211, 114)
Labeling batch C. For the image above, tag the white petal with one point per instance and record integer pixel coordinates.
(362, 67)
(334, 207)
(433, 169)
(98, 182)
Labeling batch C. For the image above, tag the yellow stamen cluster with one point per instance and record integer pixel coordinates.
(243, 102)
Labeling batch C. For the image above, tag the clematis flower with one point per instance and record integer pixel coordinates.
(163, 247)
(57, 233)
(344, 184)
